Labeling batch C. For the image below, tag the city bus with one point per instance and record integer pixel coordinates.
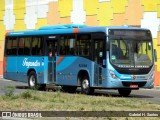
(89, 57)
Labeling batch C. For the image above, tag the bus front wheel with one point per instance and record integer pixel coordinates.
(85, 86)
(124, 92)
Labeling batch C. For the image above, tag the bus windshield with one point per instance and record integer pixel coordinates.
(131, 52)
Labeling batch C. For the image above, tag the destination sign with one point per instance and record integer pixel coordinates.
(124, 32)
(132, 66)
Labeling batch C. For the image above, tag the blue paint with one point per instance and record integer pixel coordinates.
(66, 62)
(68, 68)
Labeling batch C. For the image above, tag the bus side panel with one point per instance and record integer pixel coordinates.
(67, 70)
(24, 64)
(11, 68)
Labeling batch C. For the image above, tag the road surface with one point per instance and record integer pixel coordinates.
(144, 94)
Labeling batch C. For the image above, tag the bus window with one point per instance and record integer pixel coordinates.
(67, 45)
(142, 54)
(118, 49)
(11, 47)
(37, 46)
(24, 46)
(99, 53)
(27, 46)
(21, 46)
(83, 45)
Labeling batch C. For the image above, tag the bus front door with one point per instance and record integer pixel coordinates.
(52, 49)
(99, 58)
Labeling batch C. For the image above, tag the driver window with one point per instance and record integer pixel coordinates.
(118, 49)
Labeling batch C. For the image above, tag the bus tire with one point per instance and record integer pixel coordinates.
(69, 89)
(124, 92)
(32, 80)
(85, 86)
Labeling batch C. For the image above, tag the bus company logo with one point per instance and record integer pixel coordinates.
(30, 64)
(133, 77)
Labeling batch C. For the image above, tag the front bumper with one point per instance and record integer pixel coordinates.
(114, 83)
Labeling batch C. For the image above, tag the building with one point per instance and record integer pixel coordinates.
(31, 14)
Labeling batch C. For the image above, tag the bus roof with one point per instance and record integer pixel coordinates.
(67, 29)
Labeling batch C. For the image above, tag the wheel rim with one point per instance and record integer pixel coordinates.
(32, 81)
(85, 84)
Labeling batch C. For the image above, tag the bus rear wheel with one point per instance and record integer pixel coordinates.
(124, 92)
(32, 80)
(85, 86)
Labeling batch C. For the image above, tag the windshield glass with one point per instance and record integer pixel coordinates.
(131, 53)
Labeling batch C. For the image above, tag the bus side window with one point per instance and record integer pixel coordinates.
(67, 45)
(27, 46)
(37, 46)
(83, 45)
(21, 46)
(24, 46)
(11, 47)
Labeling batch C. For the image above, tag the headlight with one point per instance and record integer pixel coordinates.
(113, 75)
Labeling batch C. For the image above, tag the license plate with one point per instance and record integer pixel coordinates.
(133, 86)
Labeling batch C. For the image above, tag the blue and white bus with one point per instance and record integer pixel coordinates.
(89, 57)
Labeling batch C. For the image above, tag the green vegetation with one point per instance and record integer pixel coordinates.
(8, 92)
(32, 100)
(59, 101)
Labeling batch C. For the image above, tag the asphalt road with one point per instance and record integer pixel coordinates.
(144, 94)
